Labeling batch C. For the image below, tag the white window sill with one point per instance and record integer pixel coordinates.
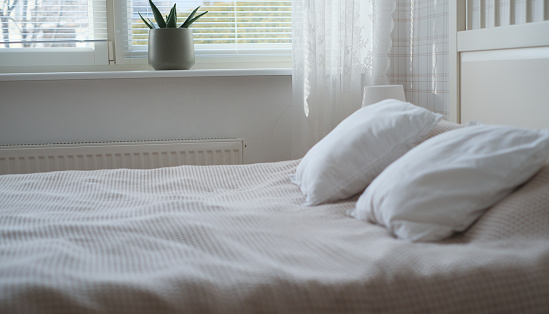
(140, 74)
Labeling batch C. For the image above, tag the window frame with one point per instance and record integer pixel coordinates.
(109, 54)
(97, 54)
(35, 57)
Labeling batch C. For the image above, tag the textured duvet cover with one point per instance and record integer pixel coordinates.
(235, 239)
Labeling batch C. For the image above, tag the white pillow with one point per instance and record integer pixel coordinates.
(444, 184)
(344, 162)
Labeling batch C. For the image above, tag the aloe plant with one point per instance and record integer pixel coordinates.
(171, 19)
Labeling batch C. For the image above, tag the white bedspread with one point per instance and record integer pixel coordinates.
(234, 239)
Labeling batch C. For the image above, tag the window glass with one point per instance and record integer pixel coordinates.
(76, 32)
(52, 23)
(229, 26)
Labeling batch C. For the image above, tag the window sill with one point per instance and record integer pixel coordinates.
(140, 74)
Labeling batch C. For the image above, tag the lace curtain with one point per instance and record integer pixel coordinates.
(339, 46)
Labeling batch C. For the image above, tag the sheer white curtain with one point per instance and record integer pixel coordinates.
(339, 46)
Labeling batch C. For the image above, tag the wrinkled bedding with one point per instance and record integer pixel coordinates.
(235, 239)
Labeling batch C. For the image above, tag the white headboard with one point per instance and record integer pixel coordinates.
(499, 62)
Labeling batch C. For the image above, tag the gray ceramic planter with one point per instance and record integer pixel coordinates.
(171, 48)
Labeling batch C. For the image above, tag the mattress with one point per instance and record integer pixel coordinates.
(235, 239)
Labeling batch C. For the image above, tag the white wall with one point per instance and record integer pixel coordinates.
(256, 108)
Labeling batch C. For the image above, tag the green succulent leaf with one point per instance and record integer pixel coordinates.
(171, 20)
(157, 15)
(191, 18)
(192, 14)
(150, 25)
(188, 23)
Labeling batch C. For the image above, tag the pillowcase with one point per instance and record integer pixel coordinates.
(521, 215)
(444, 184)
(443, 126)
(346, 160)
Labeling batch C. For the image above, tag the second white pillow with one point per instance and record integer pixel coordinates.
(345, 161)
(444, 184)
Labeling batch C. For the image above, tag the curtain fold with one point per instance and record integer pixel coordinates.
(339, 46)
(420, 53)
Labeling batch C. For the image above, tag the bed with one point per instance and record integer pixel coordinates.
(238, 239)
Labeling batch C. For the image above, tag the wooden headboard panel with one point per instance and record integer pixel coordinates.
(499, 73)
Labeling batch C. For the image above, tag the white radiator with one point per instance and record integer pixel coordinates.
(111, 155)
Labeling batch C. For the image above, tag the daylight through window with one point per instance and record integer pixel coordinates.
(52, 23)
(229, 28)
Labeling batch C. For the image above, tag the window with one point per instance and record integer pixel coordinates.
(53, 32)
(76, 32)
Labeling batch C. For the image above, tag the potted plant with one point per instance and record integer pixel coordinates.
(170, 47)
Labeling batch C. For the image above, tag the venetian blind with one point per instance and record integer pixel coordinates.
(52, 23)
(228, 26)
